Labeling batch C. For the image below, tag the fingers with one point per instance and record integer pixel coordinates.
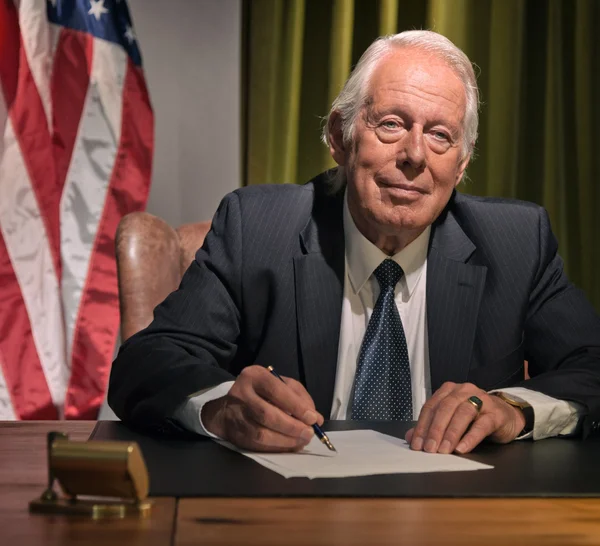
(421, 431)
(265, 440)
(438, 423)
(263, 413)
(445, 418)
(258, 380)
(299, 389)
(246, 433)
(481, 429)
(271, 417)
(449, 422)
(461, 420)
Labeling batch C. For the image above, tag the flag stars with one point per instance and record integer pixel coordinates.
(130, 34)
(97, 9)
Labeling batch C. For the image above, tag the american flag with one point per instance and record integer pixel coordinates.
(76, 142)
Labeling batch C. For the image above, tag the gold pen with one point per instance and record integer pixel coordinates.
(320, 434)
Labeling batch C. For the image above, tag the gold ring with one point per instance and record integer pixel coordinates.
(476, 402)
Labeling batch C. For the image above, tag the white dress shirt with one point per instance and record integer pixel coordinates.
(552, 417)
(361, 291)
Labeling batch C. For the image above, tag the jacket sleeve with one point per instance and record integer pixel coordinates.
(193, 337)
(562, 335)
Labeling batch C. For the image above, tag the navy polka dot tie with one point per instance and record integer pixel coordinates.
(382, 387)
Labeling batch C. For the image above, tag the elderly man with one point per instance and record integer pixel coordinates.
(377, 290)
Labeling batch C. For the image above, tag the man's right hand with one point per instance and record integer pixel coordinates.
(261, 413)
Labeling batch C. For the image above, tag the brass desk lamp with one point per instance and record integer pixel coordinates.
(100, 479)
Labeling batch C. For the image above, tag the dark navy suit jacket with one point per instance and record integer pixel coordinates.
(267, 288)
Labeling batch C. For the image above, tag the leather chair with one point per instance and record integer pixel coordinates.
(151, 259)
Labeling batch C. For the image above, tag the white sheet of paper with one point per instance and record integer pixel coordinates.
(360, 453)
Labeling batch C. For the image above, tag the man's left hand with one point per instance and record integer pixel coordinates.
(449, 422)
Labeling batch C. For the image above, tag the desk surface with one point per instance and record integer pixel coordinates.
(199, 467)
(275, 521)
(23, 477)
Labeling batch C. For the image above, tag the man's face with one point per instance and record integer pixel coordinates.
(405, 158)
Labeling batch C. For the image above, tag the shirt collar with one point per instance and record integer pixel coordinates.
(363, 257)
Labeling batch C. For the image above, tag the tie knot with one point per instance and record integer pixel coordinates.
(388, 273)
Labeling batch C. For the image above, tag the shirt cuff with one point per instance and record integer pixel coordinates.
(189, 414)
(552, 417)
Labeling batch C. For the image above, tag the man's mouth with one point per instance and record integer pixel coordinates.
(403, 188)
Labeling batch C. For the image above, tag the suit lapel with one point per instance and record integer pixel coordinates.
(454, 290)
(319, 281)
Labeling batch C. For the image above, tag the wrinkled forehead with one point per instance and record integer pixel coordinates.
(412, 70)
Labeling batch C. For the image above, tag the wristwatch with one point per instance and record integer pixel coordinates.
(525, 408)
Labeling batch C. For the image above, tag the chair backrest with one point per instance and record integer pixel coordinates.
(151, 259)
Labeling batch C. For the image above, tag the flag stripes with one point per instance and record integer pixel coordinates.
(76, 144)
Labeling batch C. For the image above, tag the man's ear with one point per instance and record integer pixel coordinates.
(461, 169)
(336, 139)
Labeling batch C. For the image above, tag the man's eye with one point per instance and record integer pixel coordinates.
(441, 136)
(390, 124)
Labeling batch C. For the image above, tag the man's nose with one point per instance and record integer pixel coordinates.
(412, 149)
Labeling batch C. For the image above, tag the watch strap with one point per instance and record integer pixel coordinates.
(525, 408)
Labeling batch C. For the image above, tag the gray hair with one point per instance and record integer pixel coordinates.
(354, 95)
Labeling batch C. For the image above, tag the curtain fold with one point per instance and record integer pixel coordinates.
(273, 98)
(539, 65)
(587, 159)
(388, 17)
(450, 19)
(503, 98)
(340, 56)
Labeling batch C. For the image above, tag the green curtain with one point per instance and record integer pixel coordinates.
(539, 65)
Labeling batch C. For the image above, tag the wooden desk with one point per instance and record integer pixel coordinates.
(289, 522)
(23, 477)
(374, 522)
